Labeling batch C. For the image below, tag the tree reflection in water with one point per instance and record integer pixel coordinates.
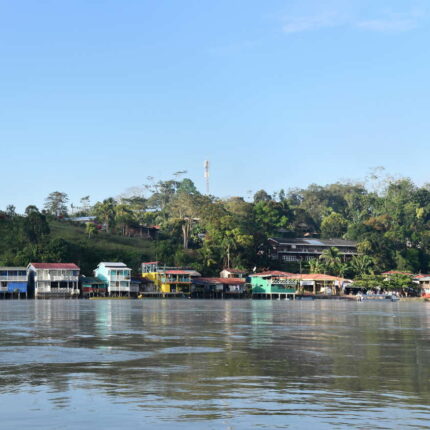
(239, 362)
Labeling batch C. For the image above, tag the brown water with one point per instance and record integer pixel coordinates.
(191, 364)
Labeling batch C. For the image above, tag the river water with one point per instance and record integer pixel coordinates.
(195, 364)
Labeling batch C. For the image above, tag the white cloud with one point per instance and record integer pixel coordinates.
(394, 22)
(381, 22)
(309, 23)
(388, 25)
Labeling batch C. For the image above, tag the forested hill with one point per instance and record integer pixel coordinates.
(62, 241)
(390, 222)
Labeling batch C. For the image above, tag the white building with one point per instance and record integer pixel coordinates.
(54, 279)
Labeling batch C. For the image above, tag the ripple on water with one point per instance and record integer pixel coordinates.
(59, 354)
(189, 350)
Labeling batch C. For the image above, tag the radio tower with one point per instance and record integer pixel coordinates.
(206, 165)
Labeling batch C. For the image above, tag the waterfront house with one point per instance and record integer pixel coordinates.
(319, 283)
(49, 280)
(93, 287)
(273, 284)
(218, 287)
(424, 283)
(305, 249)
(396, 272)
(233, 273)
(169, 281)
(118, 278)
(13, 281)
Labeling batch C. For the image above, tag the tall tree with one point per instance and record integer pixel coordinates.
(333, 225)
(184, 209)
(271, 216)
(36, 227)
(56, 203)
(262, 196)
(105, 211)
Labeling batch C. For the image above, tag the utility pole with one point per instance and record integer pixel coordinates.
(206, 166)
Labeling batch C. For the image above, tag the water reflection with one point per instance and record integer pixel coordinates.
(231, 364)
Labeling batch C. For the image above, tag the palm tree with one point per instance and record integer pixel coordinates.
(332, 259)
(90, 229)
(105, 211)
(123, 216)
(316, 266)
(342, 269)
(362, 265)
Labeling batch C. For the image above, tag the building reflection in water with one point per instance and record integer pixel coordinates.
(205, 360)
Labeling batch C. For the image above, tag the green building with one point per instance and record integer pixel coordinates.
(273, 285)
(93, 287)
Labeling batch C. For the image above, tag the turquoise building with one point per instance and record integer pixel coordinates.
(117, 277)
(273, 285)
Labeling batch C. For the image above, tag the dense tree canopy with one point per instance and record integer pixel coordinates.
(390, 222)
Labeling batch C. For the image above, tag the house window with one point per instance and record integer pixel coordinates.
(289, 258)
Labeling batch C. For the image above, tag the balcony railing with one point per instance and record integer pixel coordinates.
(313, 251)
(57, 290)
(283, 282)
(119, 278)
(171, 280)
(14, 278)
(57, 278)
(124, 289)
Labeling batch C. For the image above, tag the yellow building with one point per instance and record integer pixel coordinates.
(169, 281)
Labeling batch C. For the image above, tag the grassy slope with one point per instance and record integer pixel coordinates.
(103, 247)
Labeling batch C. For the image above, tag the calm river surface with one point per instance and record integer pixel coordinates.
(191, 364)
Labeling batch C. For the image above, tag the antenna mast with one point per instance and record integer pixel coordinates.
(206, 165)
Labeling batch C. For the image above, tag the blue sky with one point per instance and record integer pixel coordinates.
(97, 95)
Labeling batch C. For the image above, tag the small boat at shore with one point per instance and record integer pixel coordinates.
(365, 297)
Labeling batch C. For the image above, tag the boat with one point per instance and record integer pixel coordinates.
(365, 297)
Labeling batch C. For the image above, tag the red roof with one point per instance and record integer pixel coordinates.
(227, 281)
(273, 273)
(397, 272)
(315, 277)
(179, 272)
(55, 266)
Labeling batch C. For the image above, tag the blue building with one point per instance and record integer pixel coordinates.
(13, 281)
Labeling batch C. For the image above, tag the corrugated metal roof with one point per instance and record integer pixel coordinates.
(272, 273)
(55, 266)
(182, 272)
(113, 264)
(313, 242)
(234, 270)
(315, 277)
(397, 272)
(226, 281)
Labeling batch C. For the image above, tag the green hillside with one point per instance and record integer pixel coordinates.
(88, 252)
(37, 238)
